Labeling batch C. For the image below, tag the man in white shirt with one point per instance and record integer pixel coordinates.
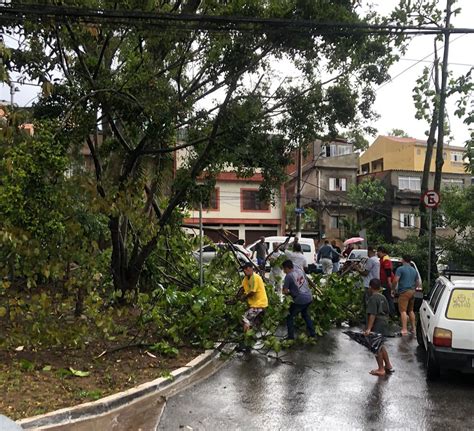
(370, 271)
(297, 257)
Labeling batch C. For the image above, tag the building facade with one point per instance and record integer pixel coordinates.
(329, 169)
(398, 164)
(235, 207)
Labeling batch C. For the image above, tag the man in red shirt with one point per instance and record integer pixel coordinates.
(386, 277)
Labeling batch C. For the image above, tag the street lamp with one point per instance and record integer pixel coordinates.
(13, 90)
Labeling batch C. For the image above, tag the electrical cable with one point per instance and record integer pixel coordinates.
(415, 64)
(127, 17)
(386, 216)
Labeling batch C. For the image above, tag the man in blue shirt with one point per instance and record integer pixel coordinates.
(406, 278)
(325, 255)
(296, 285)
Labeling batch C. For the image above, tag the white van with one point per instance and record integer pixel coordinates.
(307, 247)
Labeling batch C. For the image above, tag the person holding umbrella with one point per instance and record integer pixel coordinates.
(349, 244)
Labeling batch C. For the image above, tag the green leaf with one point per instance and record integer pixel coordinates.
(26, 365)
(79, 373)
(47, 368)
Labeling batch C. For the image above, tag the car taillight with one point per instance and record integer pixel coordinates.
(442, 337)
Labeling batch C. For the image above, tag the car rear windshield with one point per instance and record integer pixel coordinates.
(461, 305)
(358, 254)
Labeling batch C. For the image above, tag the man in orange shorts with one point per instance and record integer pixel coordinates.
(406, 278)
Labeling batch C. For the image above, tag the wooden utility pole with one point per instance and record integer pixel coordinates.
(440, 141)
(442, 99)
(430, 143)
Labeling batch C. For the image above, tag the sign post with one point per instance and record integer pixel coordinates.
(431, 199)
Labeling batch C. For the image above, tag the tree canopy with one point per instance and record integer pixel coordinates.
(128, 89)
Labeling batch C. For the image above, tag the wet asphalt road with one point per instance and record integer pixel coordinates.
(329, 388)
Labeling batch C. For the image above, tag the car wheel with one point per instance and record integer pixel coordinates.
(419, 333)
(432, 368)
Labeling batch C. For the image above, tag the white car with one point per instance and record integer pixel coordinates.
(445, 326)
(211, 251)
(307, 247)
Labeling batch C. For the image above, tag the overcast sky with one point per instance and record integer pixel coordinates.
(394, 99)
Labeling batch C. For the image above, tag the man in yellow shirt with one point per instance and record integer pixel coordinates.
(256, 296)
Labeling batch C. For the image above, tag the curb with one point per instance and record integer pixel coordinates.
(137, 408)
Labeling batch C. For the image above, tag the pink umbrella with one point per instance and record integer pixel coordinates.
(353, 240)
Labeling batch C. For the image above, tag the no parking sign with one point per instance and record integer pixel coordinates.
(431, 199)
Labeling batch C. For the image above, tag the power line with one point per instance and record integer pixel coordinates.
(427, 61)
(416, 63)
(240, 23)
(388, 217)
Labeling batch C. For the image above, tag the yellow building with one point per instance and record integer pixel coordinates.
(398, 164)
(407, 154)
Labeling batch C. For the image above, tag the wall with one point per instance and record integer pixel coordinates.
(448, 167)
(406, 154)
(230, 216)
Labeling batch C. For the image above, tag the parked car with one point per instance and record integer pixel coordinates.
(356, 256)
(445, 328)
(211, 251)
(307, 247)
(359, 255)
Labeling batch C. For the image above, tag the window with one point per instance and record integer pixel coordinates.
(440, 221)
(435, 299)
(305, 248)
(337, 184)
(335, 222)
(344, 149)
(212, 204)
(456, 156)
(334, 150)
(250, 201)
(452, 182)
(409, 183)
(461, 305)
(407, 220)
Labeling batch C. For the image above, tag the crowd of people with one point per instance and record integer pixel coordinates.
(288, 277)
(380, 282)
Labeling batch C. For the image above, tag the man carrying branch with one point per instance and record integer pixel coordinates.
(253, 291)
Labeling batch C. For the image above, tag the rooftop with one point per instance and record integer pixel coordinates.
(419, 142)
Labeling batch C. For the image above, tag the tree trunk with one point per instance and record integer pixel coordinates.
(429, 148)
(426, 172)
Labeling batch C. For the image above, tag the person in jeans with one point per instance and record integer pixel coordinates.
(386, 276)
(261, 250)
(325, 255)
(296, 285)
(406, 279)
(336, 257)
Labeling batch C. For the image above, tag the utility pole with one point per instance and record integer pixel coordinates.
(201, 271)
(299, 168)
(442, 99)
(440, 141)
